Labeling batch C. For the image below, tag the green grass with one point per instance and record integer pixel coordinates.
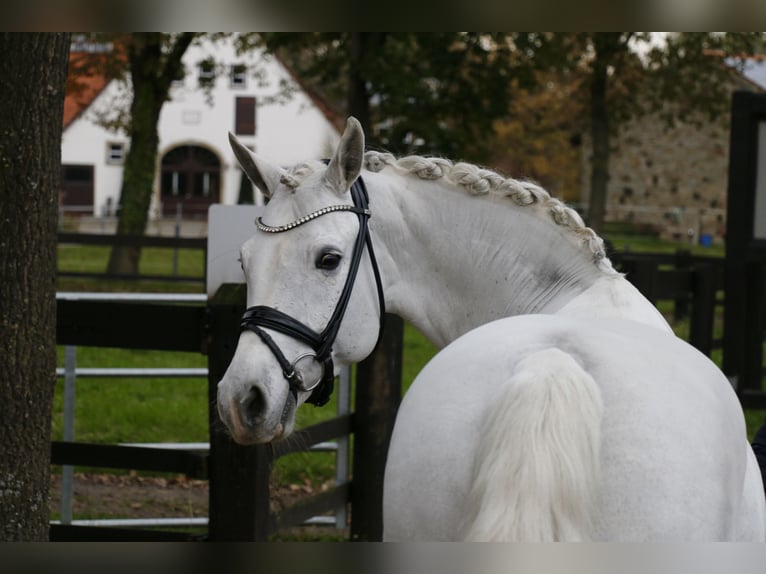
(623, 238)
(113, 410)
(154, 261)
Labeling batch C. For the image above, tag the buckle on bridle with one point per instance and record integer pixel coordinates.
(295, 378)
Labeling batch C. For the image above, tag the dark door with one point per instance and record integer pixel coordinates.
(190, 181)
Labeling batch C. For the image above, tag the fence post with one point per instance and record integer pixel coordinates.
(642, 273)
(683, 262)
(67, 471)
(703, 308)
(378, 392)
(238, 475)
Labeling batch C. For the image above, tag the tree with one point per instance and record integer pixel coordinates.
(154, 61)
(427, 93)
(610, 51)
(446, 93)
(33, 76)
(677, 77)
(540, 138)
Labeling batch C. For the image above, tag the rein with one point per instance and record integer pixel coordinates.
(261, 317)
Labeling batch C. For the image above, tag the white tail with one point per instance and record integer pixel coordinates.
(537, 465)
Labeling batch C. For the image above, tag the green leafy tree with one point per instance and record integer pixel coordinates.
(444, 93)
(33, 76)
(153, 62)
(414, 93)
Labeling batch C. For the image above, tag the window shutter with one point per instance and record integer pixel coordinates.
(245, 116)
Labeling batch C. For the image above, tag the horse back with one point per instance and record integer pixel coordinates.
(671, 432)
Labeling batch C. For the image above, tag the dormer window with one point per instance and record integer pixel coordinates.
(178, 80)
(206, 73)
(238, 76)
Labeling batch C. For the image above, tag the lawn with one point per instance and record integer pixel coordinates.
(155, 261)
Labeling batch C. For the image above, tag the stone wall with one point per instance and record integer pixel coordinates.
(671, 179)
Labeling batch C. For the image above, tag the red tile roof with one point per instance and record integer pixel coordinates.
(84, 84)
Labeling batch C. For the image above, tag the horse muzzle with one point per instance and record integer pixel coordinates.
(253, 412)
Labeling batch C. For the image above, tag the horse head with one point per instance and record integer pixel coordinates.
(309, 311)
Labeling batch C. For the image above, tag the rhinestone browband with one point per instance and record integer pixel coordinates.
(306, 218)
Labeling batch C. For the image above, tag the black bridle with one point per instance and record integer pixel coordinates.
(262, 317)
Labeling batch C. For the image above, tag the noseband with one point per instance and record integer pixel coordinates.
(261, 317)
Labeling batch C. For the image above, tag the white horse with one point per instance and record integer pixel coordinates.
(561, 406)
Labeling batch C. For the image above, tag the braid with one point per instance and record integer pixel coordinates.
(479, 181)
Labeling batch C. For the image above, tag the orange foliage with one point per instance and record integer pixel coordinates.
(540, 138)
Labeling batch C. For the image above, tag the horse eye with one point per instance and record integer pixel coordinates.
(328, 261)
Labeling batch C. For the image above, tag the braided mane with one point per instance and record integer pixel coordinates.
(479, 181)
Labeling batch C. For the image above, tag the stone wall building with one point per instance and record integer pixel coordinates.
(672, 179)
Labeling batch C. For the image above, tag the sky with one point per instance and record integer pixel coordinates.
(755, 71)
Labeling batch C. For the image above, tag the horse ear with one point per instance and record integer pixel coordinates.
(262, 173)
(346, 164)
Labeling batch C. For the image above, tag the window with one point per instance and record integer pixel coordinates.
(77, 174)
(115, 153)
(178, 80)
(244, 121)
(206, 73)
(238, 76)
(76, 188)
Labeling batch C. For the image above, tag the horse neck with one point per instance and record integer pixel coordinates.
(452, 261)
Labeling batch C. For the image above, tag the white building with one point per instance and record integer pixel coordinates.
(195, 165)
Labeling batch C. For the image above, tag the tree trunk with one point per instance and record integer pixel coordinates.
(33, 74)
(361, 45)
(607, 47)
(140, 162)
(155, 60)
(604, 45)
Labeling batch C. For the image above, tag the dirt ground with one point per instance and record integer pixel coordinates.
(135, 496)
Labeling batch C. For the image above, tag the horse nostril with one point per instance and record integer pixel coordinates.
(253, 406)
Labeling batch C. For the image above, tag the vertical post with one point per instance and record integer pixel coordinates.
(735, 315)
(754, 329)
(681, 303)
(745, 248)
(643, 275)
(67, 471)
(378, 392)
(238, 475)
(342, 453)
(179, 209)
(703, 309)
